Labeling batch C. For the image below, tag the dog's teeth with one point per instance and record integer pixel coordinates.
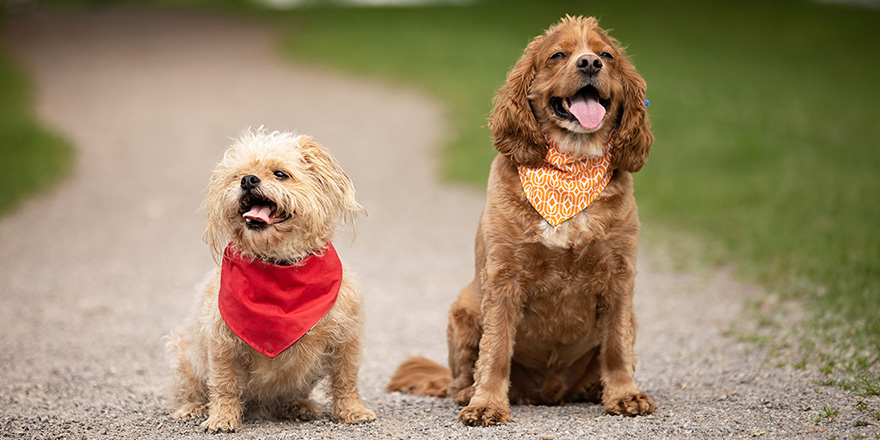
(566, 104)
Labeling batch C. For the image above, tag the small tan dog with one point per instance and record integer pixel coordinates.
(274, 201)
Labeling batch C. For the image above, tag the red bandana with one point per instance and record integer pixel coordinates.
(563, 185)
(271, 307)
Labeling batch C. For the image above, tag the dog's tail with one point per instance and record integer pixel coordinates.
(420, 376)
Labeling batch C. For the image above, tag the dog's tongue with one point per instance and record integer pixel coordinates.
(261, 213)
(588, 111)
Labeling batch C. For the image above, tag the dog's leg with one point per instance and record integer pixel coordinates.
(224, 391)
(347, 404)
(620, 394)
(463, 338)
(190, 392)
(501, 310)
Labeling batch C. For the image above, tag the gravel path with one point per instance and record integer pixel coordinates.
(93, 274)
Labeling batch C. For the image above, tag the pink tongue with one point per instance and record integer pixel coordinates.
(261, 213)
(587, 111)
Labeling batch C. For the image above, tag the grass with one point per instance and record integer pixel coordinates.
(830, 413)
(32, 159)
(768, 141)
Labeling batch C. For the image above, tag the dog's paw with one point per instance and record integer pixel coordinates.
(190, 411)
(352, 411)
(216, 423)
(304, 409)
(463, 396)
(484, 415)
(630, 405)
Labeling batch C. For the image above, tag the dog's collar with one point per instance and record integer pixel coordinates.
(269, 306)
(286, 262)
(562, 185)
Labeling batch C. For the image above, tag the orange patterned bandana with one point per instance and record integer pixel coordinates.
(562, 185)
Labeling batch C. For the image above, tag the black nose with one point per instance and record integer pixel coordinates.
(249, 182)
(590, 64)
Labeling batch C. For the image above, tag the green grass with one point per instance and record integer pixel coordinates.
(31, 158)
(765, 113)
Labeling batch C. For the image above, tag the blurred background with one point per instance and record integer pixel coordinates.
(767, 152)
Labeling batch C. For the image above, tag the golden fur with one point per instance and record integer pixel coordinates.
(217, 375)
(549, 316)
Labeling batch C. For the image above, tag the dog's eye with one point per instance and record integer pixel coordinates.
(606, 55)
(280, 175)
(558, 56)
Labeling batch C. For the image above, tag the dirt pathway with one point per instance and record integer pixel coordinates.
(93, 274)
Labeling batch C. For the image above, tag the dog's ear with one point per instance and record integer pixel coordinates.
(215, 236)
(634, 137)
(514, 127)
(333, 180)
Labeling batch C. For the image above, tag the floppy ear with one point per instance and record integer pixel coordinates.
(513, 124)
(333, 180)
(634, 131)
(215, 235)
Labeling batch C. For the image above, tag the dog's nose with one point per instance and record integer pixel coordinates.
(249, 182)
(590, 64)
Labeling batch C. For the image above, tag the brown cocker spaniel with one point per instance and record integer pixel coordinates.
(549, 315)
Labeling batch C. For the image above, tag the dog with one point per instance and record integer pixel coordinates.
(281, 312)
(548, 318)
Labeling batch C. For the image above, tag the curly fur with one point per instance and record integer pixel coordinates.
(549, 315)
(216, 375)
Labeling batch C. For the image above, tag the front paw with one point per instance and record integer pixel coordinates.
(190, 411)
(303, 409)
(216, 424)
(630, 405)
(484, 415)
(223, 417)
(352, 412)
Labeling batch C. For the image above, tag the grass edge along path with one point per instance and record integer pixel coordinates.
(33, 158)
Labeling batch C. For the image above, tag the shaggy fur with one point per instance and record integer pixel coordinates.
(217, 375)
(549, 316)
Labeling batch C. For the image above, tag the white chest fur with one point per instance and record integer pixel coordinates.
(572, 232)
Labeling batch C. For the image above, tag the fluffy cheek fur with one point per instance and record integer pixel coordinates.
(569, 135)
(299, 234)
